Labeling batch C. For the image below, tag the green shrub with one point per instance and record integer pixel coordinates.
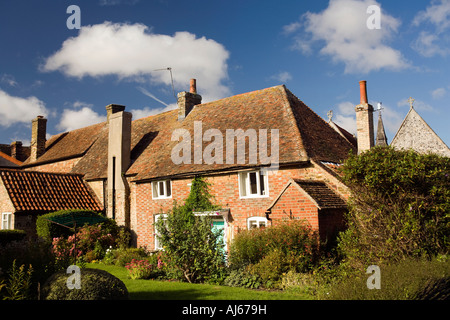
(243, 278)
(120, 257)
(297, 246)
(190, 243)
(19, 283)
(298, 282)
(95, 285)
(48, 230)
(270, 268)
(35, 252)
(399, 208)
(409, 279)
(7, 236)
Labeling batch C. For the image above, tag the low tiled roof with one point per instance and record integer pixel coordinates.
(69, 144)
(303, 135)
(31, 191)
(321, 194)
(8, 162)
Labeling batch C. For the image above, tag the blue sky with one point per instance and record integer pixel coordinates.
(319, 49)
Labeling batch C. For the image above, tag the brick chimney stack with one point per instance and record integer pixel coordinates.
(16, 150)
(38, 139)
(187, 100)
(364, 120)
(119, 159)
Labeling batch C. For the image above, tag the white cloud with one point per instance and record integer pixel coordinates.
(15, 110)
(438, 93)
(147, 111)
(346, 118)
(428, 45)
(8, 79)
(75, 119)
(282, 76)
(438, 14)
(435, 42)
(132, 51)
(342, 28)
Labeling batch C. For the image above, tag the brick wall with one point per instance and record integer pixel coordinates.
(6, 204)
(225, 189)
(295, 204)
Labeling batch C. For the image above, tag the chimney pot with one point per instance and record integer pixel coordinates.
(187, 100)
(363, 91)
(364, 121)
(193, 86)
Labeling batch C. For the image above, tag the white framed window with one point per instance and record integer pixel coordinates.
(6, 220)
(158, 245)
(162, 189)
(256, 222)
(253, 184)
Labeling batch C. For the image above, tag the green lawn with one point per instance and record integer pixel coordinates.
(165, 290)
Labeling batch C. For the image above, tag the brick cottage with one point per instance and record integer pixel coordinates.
(127, 166)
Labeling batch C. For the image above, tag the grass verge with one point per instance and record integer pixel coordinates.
(169, 290)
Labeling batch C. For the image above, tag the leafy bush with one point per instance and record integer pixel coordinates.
(139, 269)
(120, 257)
(48, 230)
(400, 206)
(243, 278)
(296, 243)
(7, 236)
(35, 252)
(19, 283)
(95, 285)
(190, 243)
(409, 279)
(298, 282)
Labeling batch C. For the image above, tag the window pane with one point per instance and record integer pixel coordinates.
(253, 183)
(243, 184)
(161, 188)
(155, 189)
(262, 184)
(168, 188)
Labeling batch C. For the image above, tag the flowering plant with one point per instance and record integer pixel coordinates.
(139, 269)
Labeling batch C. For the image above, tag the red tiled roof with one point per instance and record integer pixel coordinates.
(303, 135)
(31, 191)
(69, 144)
(8, 162)
(321, 194)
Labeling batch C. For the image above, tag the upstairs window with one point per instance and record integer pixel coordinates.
(162, 189)
(253, 184)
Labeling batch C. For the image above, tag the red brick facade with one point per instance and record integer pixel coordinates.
(225, 189)
(309, 149)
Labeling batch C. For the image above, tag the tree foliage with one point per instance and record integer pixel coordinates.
(190, 243)
(400, 205)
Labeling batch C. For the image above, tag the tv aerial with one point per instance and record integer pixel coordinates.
(171, 78)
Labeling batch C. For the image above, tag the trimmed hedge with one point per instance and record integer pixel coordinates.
(48, 230)
(7, 236)
(95, 284)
